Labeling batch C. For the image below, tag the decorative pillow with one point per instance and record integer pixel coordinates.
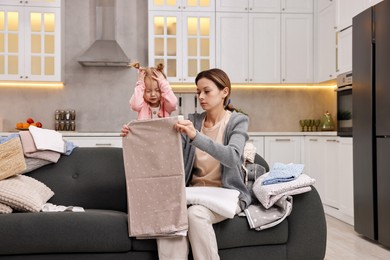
(4, 209)
(11, 158)
(24, 193)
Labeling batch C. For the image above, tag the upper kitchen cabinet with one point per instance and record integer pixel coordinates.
(264, 6)
(254, 54)
(268, 47)
(178, 5)
(297, 48)
(183, 41)
(326, 40)
(30, 43)
(297, 6)
(36, 3)
(344, 50)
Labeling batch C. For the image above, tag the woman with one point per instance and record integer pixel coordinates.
(213, 146)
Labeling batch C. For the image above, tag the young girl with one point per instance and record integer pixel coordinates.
(153, 96)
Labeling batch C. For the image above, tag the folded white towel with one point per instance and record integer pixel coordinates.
(220, 200)
(46, 139)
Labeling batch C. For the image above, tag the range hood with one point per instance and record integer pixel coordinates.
(105, 51)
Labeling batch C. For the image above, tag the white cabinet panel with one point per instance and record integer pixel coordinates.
(329, 161)
(264, 48)
(248, 6)
(344, 50)
(314, 160)
(284, 149)
(297, 48)
(232, 55)
(297, 6)
(326, 44)
(331, 196)
(345, 167)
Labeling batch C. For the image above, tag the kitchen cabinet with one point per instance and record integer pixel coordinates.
(258, 142)
(265, 6)
(297, 48)
(95, 141)
(314, 160)
(30, 45)
(344, 50)
(184, 41)
(38, 3)
(268, 47)
(297, 6)
(245, 6)
(326, 41)
(345, 170)
(284, 149)
(328, 159)
(254, 55)
(178, 5)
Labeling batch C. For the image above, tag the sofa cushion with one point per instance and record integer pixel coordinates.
(64, 232)
(235, 232)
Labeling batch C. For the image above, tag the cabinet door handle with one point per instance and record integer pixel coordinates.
(103, 144)
(313, 140)
(332, 140)
(283, 140)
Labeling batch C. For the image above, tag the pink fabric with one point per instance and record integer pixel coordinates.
(168, 101)
(155, 183)
(30, 150)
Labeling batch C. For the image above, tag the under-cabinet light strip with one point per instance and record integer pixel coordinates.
(11, 84)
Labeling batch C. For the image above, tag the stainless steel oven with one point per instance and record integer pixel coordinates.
(344, 104)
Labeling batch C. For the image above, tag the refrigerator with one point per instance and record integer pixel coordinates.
(371, 122)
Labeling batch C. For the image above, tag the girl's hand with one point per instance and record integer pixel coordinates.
(141, 75)
(186, 127)
(125, 130)
(158, 75)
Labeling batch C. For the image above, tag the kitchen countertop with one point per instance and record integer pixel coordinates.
(117, 134)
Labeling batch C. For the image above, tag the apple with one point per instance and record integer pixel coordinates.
(30, 120)
(38, 124)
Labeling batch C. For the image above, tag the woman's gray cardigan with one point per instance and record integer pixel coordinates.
(230, 153)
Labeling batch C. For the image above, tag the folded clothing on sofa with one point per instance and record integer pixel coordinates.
(281, 172)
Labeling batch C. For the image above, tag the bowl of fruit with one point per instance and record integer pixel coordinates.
(29, 121)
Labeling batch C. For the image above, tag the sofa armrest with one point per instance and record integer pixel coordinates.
(307, 227)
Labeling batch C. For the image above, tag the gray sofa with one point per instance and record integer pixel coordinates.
(94, 178)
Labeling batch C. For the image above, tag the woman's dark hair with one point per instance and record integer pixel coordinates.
(221, 80)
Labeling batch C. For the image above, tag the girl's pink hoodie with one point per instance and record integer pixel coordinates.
(167, 103)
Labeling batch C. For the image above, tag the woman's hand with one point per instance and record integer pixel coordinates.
(125, 130)
(186, 127)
